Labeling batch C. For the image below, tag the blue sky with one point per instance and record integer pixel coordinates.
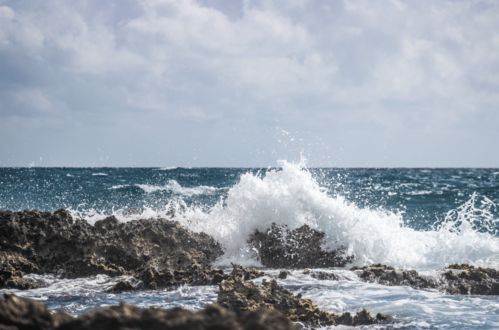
(244, 83)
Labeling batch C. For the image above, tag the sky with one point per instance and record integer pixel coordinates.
(245, 83)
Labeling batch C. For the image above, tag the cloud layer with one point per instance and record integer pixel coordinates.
(216, 83)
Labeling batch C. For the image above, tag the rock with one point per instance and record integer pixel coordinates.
(455, 279)
(321, 275)
(245, 273)
(467, 279)
(122, 286)
(12, 268)
(159, 252)
(23, 314)
(280, 247)
(283, 274)
(387, 275)
(242, 296)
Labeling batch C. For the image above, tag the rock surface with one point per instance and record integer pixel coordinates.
(159, 252)
(455, 279)
(19, 313)
(466, 279)
(243, 296)
(280, 247)
(387, 275)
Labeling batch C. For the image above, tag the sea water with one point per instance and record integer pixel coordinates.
(421, 219)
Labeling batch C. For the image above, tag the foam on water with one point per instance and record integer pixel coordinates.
(291, 196)
(172, 186)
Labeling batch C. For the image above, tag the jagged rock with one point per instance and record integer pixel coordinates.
(12, 268)
(455, 279)
(387, 275)
(280, 247)
(242, 296)
(320, 275)
(245, 273)
(22, 314)
(467, 279)
(160, 252)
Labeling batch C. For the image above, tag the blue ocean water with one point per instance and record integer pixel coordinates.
(414, 218)
(423, 195)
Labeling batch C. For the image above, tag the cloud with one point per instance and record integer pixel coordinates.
(382, 69)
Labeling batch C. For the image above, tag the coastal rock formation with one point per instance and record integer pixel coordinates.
(455, 279)
(281, 247)
(245, 296)
(387, 275)
(19, 313)
(466, 279)
(244, 273)
(159, 252)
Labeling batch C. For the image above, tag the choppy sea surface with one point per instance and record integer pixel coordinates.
(422, 219)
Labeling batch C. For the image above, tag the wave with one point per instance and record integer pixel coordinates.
(167, 168)
(291, 196)
(100, 174)
(172, 186)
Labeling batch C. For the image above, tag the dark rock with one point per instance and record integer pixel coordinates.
(455, 279)
(280, 247)
(159, 252)
(12, 268)
(242, 296)
(467, 279)
(320, 275)
(387, 275)
(122, 286)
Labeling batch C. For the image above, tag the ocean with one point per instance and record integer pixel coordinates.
(421, 219)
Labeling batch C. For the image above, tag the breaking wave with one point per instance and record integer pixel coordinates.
(291, 196)
(173, 187)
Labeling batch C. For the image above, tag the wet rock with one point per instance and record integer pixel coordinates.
(455, 279)
(242, 296)
(387, 275)
(12, 268)
(160, 252)
(283, 274)
(280, 247)
(122, 286)
(21, 313)
(320, 275)
(467, 279)
(245, 273)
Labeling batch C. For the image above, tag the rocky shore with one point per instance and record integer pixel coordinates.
(241, 304)
(455, 279)
(160, 253)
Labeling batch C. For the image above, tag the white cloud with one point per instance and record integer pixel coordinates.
(394, 64)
